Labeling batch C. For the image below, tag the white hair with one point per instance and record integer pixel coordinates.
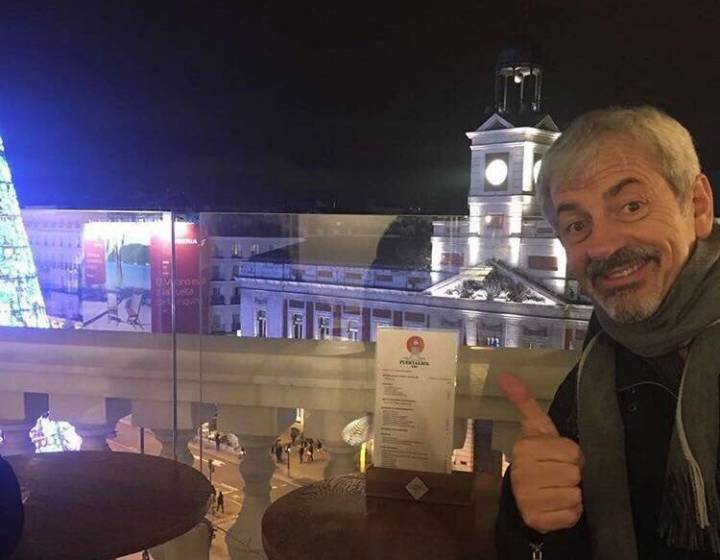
(665, 139)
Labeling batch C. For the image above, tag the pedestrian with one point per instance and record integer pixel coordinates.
(213, 496)
(217, 441)
(319, 445)
(278, 452)
(311, 450)
(145, 555)
(301, 452)
(221, 502)
(294, 433)
(624, 463)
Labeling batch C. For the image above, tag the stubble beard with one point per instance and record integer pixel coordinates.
(626, 305)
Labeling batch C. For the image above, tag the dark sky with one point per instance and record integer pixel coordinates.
(270, 105)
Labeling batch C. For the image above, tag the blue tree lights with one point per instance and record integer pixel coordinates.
(21, 301)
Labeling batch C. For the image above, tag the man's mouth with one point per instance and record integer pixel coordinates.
(624, 271)
(622, 276)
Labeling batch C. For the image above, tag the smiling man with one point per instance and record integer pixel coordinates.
(624, 465)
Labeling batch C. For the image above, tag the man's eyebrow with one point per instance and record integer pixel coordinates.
(619, 186)
(611, 192)
(567, 207)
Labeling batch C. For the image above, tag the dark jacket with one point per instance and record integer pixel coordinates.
(647, 394)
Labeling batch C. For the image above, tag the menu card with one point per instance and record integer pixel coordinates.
(415, 372)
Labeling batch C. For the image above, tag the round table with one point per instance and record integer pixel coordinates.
(334, 519)
(100, 504)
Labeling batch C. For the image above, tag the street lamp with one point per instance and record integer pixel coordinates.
(287, 449)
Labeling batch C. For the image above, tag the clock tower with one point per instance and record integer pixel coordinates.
(506, 150)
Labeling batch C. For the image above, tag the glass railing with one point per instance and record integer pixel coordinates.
(244, 344)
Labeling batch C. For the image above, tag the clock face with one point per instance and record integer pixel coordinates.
(536, 170)
(496, 172)
(5, 174)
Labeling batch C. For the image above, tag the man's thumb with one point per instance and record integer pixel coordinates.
(535, 421)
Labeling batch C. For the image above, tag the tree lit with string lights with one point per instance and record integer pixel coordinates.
(21, 301)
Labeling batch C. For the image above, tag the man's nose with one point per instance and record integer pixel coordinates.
(605, 239)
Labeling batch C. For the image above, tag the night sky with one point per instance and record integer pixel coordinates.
(239, 105)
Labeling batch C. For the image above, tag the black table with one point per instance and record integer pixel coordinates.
(334, 519)
(99, 504)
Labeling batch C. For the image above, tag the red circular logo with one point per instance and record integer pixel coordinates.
(415, 344)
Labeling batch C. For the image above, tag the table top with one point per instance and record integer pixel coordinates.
(101, 504)
(334, 519)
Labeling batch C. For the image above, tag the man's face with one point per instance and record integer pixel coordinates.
(626, 234)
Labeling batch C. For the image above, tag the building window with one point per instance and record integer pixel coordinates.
(353, 330)
(236, 251)
(216, 272)
(236, 323)
(297, 325)
(415, 317)
(217, 298)
(453, 259)
(254, 249)
(236, 271)
(494, 221)
(493, 341)
(542, 263)
(261, 323)
(217, 325)
(324, 328)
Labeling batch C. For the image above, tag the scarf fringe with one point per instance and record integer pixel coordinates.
(682, 531)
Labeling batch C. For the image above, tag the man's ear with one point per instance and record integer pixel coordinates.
(702, 206)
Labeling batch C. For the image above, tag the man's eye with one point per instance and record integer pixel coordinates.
(632, 207)
(575, 227)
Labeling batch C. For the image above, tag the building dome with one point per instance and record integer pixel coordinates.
(520, 51)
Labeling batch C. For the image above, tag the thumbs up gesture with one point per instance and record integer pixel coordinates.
(546, 469)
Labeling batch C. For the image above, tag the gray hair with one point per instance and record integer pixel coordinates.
(664, 138)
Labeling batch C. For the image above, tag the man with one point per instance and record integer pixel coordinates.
(624, 465)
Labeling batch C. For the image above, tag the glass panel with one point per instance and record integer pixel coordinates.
(266, 383)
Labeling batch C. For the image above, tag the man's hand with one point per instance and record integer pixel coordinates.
(546, 468)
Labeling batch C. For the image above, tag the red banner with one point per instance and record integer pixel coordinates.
(187, 281)
(94, 261)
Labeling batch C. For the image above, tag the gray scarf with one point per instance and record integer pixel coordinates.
(690, 514)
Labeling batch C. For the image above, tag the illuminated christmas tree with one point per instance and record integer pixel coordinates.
(21, 301)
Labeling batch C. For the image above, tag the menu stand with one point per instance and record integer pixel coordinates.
(455, 488)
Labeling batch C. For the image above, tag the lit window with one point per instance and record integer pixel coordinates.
(494, 221)
(261, 323)
(353, 332)
(536, 170)
(493, 342)
(297, 325)
(324, 328)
